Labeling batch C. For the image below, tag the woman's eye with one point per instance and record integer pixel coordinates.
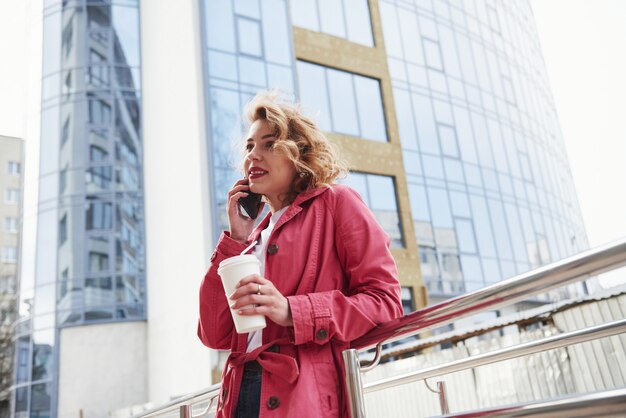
(269, 145)
(249, 147)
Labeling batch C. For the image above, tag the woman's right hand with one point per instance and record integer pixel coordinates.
(240, 225)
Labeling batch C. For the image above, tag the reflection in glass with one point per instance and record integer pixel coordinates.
(249, 37)
(379, 194)
(331, 17)
(99, 216)
(22, 349)
(342, 103)
(314, 93)
(21, 399)
(370, 105)
(43, 358)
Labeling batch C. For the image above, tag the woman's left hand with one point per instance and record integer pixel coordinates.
(256, 290)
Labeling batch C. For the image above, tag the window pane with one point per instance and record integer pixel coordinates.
(342, 103)
(248, 8)
(252, 71)
(379, 194)
(410, 37)
(370, 104)
(419, 202)
(460, 204)
(331, 17)
(313, 93)
(358, 21)
(280, 77)
(219, 25)
(440, 208)
(465, 235)
(126, 26)
(427, 133)
(382, 196)
(391, 30)
(304, 14)
(249, 37)
(447, 138)
(433, 54)
(276, 32)
(359, 183)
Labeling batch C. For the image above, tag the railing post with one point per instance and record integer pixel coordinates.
(184, 411)
(353, 383)
(443, 397)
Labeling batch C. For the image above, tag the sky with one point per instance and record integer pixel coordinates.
(584, 46)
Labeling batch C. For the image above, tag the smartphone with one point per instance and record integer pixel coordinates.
(251, 204)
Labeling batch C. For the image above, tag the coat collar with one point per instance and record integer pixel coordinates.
(294, 209)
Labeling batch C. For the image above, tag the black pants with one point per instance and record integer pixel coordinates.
(249, 400)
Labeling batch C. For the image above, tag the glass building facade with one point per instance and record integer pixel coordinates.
(490, 190)
(90, 233)
(489, 182)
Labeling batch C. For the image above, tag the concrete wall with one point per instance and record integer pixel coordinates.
(102, 368)
(176, 195)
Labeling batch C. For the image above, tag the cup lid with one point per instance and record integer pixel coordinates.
(237, 259)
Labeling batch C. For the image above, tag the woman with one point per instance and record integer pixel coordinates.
(329, 276)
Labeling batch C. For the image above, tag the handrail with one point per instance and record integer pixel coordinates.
(609, 403)
(176, 403)
(531, 347)
(515, 289)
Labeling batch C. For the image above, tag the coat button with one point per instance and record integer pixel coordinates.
(272, 249)
(273, 402)
(321, 334)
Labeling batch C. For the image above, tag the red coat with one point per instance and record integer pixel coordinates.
(330, 257)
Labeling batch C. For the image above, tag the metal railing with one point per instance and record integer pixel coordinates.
(204, 401)
(568, 271)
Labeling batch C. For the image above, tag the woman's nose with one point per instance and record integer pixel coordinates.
(253, 154)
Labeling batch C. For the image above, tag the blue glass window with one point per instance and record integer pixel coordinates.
(314, 93)
(348, 19)
(249, 37)
(440, 208)
(342, 104)
(447, 138)
(351, 104)
(379, 193)
(433, 54)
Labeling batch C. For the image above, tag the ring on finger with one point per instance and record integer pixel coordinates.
(258, 291)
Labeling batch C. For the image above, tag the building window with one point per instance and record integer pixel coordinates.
(98, 72)
(98, 262)
(68, 32)
(63, 230)
(9, 255)
(408, 303)
(10, 225)
(13, 168)
(7, 284)
(348, 19)
(379, 194)
(11, 196)
(99, 112)
(65, 132)
(345, 103)
(99, 216)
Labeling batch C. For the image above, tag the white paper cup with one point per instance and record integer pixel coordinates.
(231, 271)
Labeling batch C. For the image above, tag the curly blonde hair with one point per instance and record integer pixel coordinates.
(316, 159)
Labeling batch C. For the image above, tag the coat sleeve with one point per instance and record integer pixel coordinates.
(373, 289)
(215, 326)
